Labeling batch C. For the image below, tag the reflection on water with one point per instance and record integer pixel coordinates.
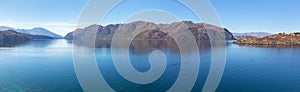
(10, 44)
(142, 45)
(39, 43)
(47, 66)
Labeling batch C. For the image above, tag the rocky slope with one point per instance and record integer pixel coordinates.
(199, 30)
(292, 39)
(251, 35)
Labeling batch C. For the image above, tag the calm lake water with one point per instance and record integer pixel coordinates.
(47, 66)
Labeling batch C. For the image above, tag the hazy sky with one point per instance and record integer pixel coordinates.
(60, 16)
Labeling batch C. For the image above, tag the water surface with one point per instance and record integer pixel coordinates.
(47, 66)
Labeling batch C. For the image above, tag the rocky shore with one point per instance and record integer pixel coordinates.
(283, 39)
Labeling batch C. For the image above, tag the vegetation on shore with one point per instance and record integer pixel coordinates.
(292, 39)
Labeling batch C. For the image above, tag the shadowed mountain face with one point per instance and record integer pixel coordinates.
(200, 31)
(11, 38)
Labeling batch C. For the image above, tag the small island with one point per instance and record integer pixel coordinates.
(281, 39)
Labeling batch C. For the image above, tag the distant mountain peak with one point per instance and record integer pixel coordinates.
(251, 35)
(34, 31)
(39, 28)
(3, 28)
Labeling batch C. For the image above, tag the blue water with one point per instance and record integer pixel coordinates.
(47, 66)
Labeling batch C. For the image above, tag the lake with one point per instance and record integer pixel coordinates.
(47, 66)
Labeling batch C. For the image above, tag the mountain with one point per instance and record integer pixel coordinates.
(34, 31)
(282, 39)
(11, 38)
(42, 31)
(39, 37)
(200, 31)
(251, 35)
(2, 28)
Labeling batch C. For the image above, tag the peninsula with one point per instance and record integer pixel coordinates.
(292, 39)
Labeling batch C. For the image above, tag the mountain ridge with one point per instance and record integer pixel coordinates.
(199, 30)
(251, 35)
(11, 38)
(33, 31)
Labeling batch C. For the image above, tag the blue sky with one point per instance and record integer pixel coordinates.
(60, 16)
